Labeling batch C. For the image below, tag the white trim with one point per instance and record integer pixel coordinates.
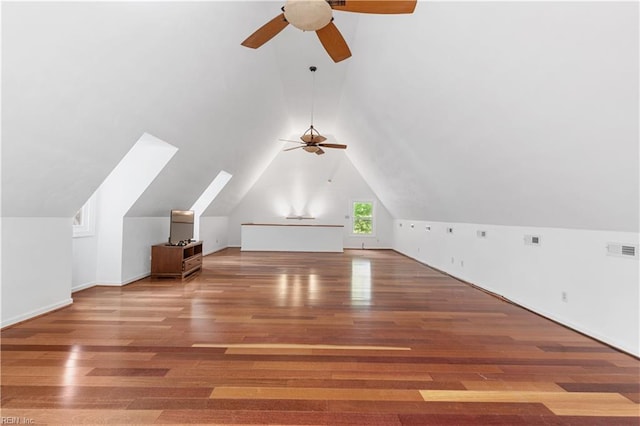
(215, 251)
(84, 286)
(36, 312)
(136, 278)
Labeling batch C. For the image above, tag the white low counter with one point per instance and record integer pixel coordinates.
(313, 238)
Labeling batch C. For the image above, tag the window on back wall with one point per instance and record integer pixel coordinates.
(362, 213)
(83, 221)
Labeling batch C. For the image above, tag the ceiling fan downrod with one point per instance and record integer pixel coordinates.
(313, 69)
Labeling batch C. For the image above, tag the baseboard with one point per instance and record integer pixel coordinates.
(82, 287)
(367, 248)
(36, 313)
(635, 352)
(214, 251)
(136, 278)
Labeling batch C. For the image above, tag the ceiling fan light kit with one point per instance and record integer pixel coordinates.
(308, 15)
(317, 15)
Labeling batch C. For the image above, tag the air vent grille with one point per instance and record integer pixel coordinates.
(623, 250)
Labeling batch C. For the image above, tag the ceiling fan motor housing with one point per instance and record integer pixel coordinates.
(308, 15)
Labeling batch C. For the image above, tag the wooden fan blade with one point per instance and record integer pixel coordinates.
(319, 151)
(333, 145)
(295, 147)
(307, 138)
(266, 32)
(287, 140)
(375, 6)
(333, 42)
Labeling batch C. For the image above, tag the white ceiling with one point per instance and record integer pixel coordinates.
(513, 113)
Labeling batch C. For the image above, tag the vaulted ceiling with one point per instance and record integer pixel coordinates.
(513, 113)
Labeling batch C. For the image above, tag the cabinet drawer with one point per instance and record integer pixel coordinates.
(192, 262)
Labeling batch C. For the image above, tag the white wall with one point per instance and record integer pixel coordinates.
(603, 298)
(214, 233)
(324, 187)
(85, 260)
(139, 234)
(36, 266)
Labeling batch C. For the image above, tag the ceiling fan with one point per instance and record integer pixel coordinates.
(317, 15)
(312, 140)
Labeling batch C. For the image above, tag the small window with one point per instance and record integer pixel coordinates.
(83, 222)
(363, 218)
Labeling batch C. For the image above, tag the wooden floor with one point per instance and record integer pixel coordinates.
(360, 338)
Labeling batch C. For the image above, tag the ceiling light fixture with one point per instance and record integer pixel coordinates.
(308, 15)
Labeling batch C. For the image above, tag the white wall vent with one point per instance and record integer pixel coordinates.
(622, 250)
(532, 240)
(449, 230)
(482, 234)
(428, 227)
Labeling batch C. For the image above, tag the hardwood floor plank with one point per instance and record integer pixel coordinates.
(561, 403)
(128, 372)
(443, 407)
(295, 346)
(494, 385)
(314, 393)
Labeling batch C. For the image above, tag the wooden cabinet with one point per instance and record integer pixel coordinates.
(175, 261)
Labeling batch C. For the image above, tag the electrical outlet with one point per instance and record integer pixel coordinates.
(462, 263)
(532, 240)
(453, 260)
(565, 297)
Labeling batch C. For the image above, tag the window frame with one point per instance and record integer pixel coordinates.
(86, 227)
(353, 217)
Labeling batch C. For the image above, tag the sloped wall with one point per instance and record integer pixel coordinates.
(510, 113)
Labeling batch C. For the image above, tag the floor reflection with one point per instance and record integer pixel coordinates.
(361, 281)
(296, 290)
(70, 372)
